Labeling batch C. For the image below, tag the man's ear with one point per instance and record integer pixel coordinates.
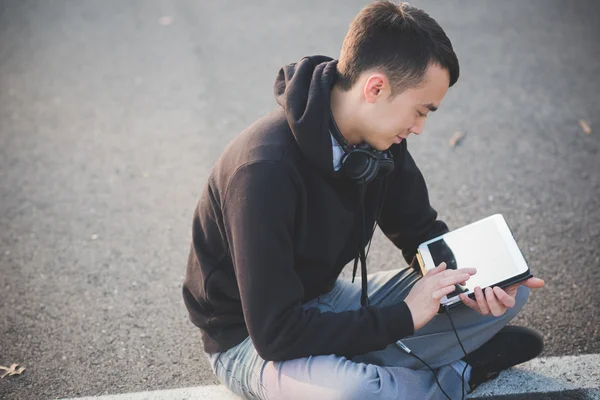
(375, 87)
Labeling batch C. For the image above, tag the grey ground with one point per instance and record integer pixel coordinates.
(110, 121)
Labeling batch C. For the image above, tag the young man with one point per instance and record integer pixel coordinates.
(296, 196)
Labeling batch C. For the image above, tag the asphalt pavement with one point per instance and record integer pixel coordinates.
(112, 113)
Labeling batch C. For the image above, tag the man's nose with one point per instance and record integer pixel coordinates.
(418, 126)
(416, 129)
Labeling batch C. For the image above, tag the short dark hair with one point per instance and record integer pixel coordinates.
(398, 39)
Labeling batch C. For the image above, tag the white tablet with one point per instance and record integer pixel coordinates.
(487, 245)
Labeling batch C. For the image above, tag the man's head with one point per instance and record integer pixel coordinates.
(395, 67)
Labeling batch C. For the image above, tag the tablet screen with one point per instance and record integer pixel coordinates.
(480, 246)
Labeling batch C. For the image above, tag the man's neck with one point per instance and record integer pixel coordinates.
(341, 109)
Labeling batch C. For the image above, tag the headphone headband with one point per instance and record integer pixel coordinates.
(337, 135)
(361, 164)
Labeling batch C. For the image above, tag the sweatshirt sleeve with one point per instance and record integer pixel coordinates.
(407, 217)
(259, 213)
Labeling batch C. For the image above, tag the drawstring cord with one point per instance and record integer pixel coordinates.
(362, 256)
(364, 299)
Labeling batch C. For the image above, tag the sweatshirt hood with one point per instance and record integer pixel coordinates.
(303, 89)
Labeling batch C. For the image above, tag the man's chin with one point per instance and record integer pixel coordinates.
(390, 145)
(398, 140)
(381, 146)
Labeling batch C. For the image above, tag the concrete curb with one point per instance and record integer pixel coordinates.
(211, 392)
(569, 377)
(564, 378)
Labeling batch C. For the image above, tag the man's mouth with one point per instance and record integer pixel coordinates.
(398, 139)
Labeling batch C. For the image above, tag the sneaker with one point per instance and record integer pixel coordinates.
(511, 346)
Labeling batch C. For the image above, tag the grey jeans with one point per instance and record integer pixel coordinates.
(384, 374)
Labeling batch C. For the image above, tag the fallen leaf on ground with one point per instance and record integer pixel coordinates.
(14, 369)
(456, 138)
(585, 127)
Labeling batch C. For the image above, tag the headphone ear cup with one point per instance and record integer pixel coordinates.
(354, 164)
(386, 166)
(360, 165)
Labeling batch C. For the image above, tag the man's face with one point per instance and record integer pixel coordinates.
(387, 120)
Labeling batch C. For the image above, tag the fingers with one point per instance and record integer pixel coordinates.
(512, 289)
(454, 279)
(447, 272)
(438, 294)
(437, 269)
(489, 303)
(470, 271)
(469, 302)
(483, 306)
(534, 283)
(505, 299)
(496, 308)
(455, 276)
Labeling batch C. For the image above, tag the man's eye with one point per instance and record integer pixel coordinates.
(421, 114)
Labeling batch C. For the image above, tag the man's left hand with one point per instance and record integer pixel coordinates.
(496, 300)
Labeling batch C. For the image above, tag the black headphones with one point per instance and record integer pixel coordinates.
(362, 163)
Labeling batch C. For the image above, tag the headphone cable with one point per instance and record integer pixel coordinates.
(410, 352)
(447, 312)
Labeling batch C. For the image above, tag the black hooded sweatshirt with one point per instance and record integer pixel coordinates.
(275, 226)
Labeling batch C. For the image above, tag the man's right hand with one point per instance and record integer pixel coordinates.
(425, 296)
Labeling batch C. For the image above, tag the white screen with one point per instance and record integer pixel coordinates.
(481, 246)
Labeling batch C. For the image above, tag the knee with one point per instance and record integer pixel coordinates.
(374, 382)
